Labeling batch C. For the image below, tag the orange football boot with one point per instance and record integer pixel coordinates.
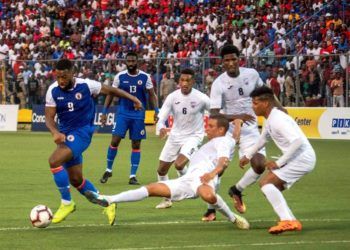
(286, 225)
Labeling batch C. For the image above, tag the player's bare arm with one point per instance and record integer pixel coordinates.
(220, 167)
(243, 161)
(154, 102)
(162, 133)
(107, 90)
(50, 113)
(271, 165)
(244, 117)
(108, 101)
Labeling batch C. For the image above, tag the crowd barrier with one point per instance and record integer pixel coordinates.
(38, 119)
(316, 123)
(8, 117)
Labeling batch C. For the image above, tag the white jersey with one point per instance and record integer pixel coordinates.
(188, 111)
(287, 135)
(232, 94)
(208, 155)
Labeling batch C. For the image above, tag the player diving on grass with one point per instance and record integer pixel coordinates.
(297, 160)
(71, 99)
(199, 181)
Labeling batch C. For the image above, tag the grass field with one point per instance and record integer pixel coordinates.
(320, 200)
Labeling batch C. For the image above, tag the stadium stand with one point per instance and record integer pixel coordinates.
(295, 45)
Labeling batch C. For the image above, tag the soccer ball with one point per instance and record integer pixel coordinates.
(40, 216)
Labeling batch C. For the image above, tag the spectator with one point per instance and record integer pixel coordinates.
(337, 86)
(167, 85)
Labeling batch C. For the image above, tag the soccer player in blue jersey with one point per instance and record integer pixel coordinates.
(139, 84)
(71, 99)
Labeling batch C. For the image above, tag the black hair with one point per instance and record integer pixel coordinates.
(229, 49)
(188, 71)
(64, 64)
(263, 93)
(221, 120)
(131, 53)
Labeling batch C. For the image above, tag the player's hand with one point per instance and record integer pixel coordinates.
(207, 177)
(59, 138)
(137, 104)
(103, 119)
(247, 119)
(163, 133)
(155, 117)
(243, 161)
(271, 165)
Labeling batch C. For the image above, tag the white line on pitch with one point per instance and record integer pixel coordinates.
(141, 223)
(242, 245)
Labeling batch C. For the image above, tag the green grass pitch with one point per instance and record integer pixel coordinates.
(321, 200)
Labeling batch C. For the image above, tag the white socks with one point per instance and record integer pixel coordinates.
(223, 208)
(128, 196)
(182, 171)
(66, 202)
(247, 179)
(279, 204)
(162, 177)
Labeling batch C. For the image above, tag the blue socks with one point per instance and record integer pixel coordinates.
(111, 154)
(135, 161)
(86, 186)
(61, 179)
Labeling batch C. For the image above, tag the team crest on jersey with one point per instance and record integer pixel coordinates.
(193, 104)
(70, 138)
(142, 132)
(246, 81)
(78, 96)
(139, 82)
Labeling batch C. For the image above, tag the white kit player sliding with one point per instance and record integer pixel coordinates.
(200, 179)
(187, 106)
(297, 160)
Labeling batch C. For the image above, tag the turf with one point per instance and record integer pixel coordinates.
(320, 200)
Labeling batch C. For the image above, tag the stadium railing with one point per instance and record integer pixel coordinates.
(17, 87)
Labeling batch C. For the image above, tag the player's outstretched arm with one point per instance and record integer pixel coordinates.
(154, 101)
(107, 90)
(50, 113)
(244, 117)
(220, 167)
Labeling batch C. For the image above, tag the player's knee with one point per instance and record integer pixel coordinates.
(258, 166)
(210, 198)
(53, 162)
(76, 181)
(136, 145)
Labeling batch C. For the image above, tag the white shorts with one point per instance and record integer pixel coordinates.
(186, 186)
(249, 137)
(174, 147)
(297, 168)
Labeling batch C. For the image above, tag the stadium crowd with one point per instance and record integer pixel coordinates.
(297, 46)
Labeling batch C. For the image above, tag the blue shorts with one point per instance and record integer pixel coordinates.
(136, 127)
(78, 141)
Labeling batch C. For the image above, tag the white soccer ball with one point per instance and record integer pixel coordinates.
(40, 216)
